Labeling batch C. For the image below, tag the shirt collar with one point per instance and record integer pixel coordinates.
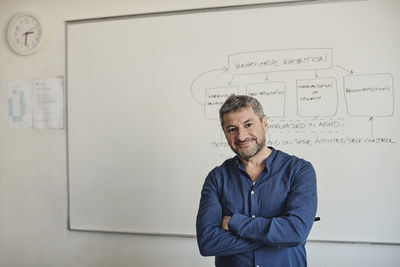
(267, 161)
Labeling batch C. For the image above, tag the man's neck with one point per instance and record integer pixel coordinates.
(255, 164)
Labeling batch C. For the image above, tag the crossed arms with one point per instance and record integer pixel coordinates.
(219, 235)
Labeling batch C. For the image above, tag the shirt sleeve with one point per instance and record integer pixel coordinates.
(293, 226)
(211, 238)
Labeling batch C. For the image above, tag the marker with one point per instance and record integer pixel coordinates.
(317, 219)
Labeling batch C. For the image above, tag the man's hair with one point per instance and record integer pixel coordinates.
(236, 102)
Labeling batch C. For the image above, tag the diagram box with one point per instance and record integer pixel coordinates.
(317, 97)
(369, 95)
(280, 60)
(271, 96)
(215, 97)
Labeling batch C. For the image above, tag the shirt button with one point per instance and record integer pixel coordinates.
(253, 216)
(258, 266)
(252, 192)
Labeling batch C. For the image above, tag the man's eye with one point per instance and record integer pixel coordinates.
(248, 125)
(231, 130)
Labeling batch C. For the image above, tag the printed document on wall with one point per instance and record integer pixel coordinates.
(16, 102)
(48, 103)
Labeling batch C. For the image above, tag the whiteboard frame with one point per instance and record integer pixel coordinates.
(171, 13)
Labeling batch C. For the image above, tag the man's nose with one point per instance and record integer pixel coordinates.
(242, 134)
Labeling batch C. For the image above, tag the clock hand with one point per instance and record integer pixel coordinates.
(26, 36)
(30, 30)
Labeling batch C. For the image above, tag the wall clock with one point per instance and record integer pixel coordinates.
(25, 33)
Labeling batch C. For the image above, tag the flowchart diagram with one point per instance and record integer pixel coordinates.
(313, 100)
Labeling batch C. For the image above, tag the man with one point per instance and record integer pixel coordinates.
(257, 208)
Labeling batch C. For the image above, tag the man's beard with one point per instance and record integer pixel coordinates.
(253, 151)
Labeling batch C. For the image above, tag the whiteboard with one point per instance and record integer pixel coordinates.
(144, 92)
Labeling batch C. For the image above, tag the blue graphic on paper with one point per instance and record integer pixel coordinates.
(13, 103)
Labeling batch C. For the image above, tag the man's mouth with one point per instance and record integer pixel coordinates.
(245, 143)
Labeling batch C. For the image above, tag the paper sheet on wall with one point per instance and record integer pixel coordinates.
(47, 103)
(17, 111)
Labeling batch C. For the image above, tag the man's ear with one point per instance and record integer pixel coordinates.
(265, 122)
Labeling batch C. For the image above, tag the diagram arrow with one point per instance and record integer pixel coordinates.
(212, 75)
(371, 120)
(349, 72)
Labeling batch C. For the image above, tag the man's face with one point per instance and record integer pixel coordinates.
(245, 132)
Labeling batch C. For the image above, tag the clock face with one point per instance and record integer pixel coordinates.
(25, 33)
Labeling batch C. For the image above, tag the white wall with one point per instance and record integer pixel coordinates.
(33, 180)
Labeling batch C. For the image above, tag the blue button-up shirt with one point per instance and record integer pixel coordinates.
(271, 218)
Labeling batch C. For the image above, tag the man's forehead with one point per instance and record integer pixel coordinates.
(240, 115)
